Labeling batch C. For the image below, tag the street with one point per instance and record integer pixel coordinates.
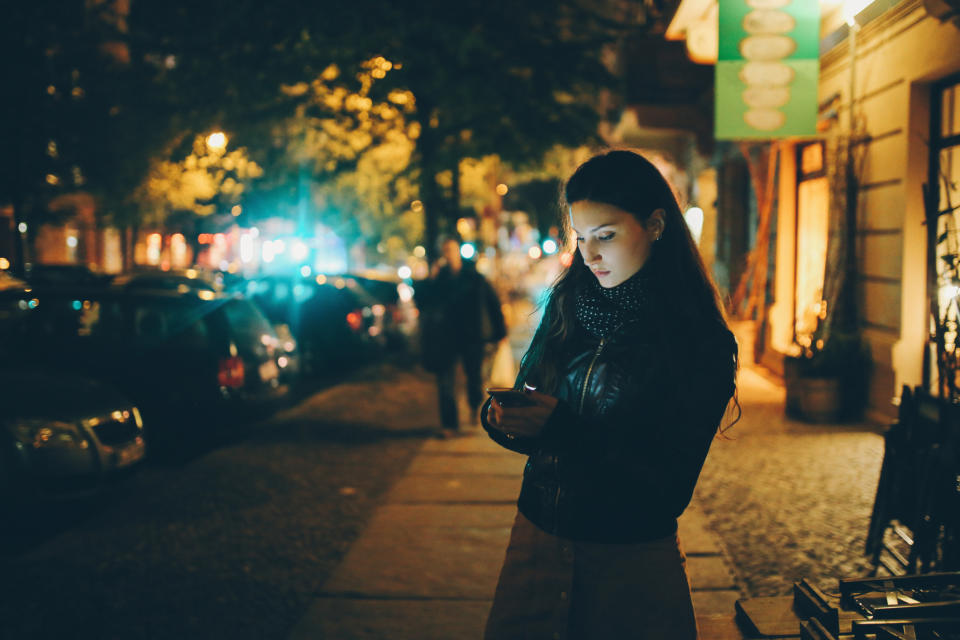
(235, 243)
(231, 544)
(238, 542)
(790, 499)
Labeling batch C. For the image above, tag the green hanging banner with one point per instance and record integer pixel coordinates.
(767, 69)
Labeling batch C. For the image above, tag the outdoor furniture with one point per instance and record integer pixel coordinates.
(915, 607)
(915, 522)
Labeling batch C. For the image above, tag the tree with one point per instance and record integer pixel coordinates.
(208, 179)
(87, 115)
(487, 76)
(341, 152)
(494, 78)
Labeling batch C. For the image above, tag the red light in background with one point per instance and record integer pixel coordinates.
(231, 372)
(205, 238)
(355, 320)
(566, 259)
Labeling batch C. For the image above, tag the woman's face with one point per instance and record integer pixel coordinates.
(613, 243)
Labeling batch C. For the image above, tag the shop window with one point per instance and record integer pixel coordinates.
(813, 203)
(942, 365)
(950, 111)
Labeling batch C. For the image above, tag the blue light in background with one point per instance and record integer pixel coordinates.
(299, 250)
(467, 250)
(269, 251)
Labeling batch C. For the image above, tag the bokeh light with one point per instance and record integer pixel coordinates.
(694, 220)
(217, 141)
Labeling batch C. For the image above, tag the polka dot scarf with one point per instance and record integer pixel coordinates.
(601, 310)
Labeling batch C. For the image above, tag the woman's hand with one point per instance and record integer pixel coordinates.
(522, 422)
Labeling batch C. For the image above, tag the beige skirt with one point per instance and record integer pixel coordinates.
(553, 588)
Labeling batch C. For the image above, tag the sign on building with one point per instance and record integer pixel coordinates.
(767, 69)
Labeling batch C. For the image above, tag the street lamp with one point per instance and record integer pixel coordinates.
(217, 141)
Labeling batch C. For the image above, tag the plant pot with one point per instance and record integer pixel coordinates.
(793, 383)
(820, 399)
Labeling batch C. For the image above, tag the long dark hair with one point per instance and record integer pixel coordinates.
(688, 305)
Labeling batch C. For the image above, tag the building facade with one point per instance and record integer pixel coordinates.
(889, 100)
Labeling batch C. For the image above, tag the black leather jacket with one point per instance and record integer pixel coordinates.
(618, 459)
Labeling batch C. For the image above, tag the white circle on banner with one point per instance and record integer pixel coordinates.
(766, 97)
(769, 74)
(766, 21)
(767, 4)
(767, 47)
(764, 119)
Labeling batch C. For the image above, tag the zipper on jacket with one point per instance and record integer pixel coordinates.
(583, 396)
(586, 379)
(556, 458)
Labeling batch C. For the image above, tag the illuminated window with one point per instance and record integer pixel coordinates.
(813, 207)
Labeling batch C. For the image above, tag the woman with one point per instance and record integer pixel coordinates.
(633, 367)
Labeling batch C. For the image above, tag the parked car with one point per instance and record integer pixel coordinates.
(289, 358)
(336, 324)
(400, 313)
(78, 275)
(189, 362)
(7, 281)
(180, 280)
(62, 435)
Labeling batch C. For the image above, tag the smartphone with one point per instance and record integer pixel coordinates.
(508, 397)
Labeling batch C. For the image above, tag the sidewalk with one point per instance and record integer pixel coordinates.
(427, 564)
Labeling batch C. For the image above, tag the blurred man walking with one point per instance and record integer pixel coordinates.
(460, 315)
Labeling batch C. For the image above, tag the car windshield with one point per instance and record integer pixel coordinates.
(165, 281)
(47, 322)
(247, 322)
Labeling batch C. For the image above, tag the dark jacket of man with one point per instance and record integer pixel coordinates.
(457, 311)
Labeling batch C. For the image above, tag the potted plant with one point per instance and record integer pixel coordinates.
(827, 381)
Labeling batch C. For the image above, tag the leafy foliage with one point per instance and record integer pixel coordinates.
(350, 109)
(207, 179)
(87, 114)
(480, 78)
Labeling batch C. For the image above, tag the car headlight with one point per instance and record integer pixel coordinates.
(47, 433)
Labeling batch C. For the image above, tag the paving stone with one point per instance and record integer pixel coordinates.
(368, 619)
(695, 537)
(447, 464)
(422, 562)
(715, 602)
(709, 572)
(718, 627)
(424, 488)
(475, 441)
(392, 517)
(351, 619)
